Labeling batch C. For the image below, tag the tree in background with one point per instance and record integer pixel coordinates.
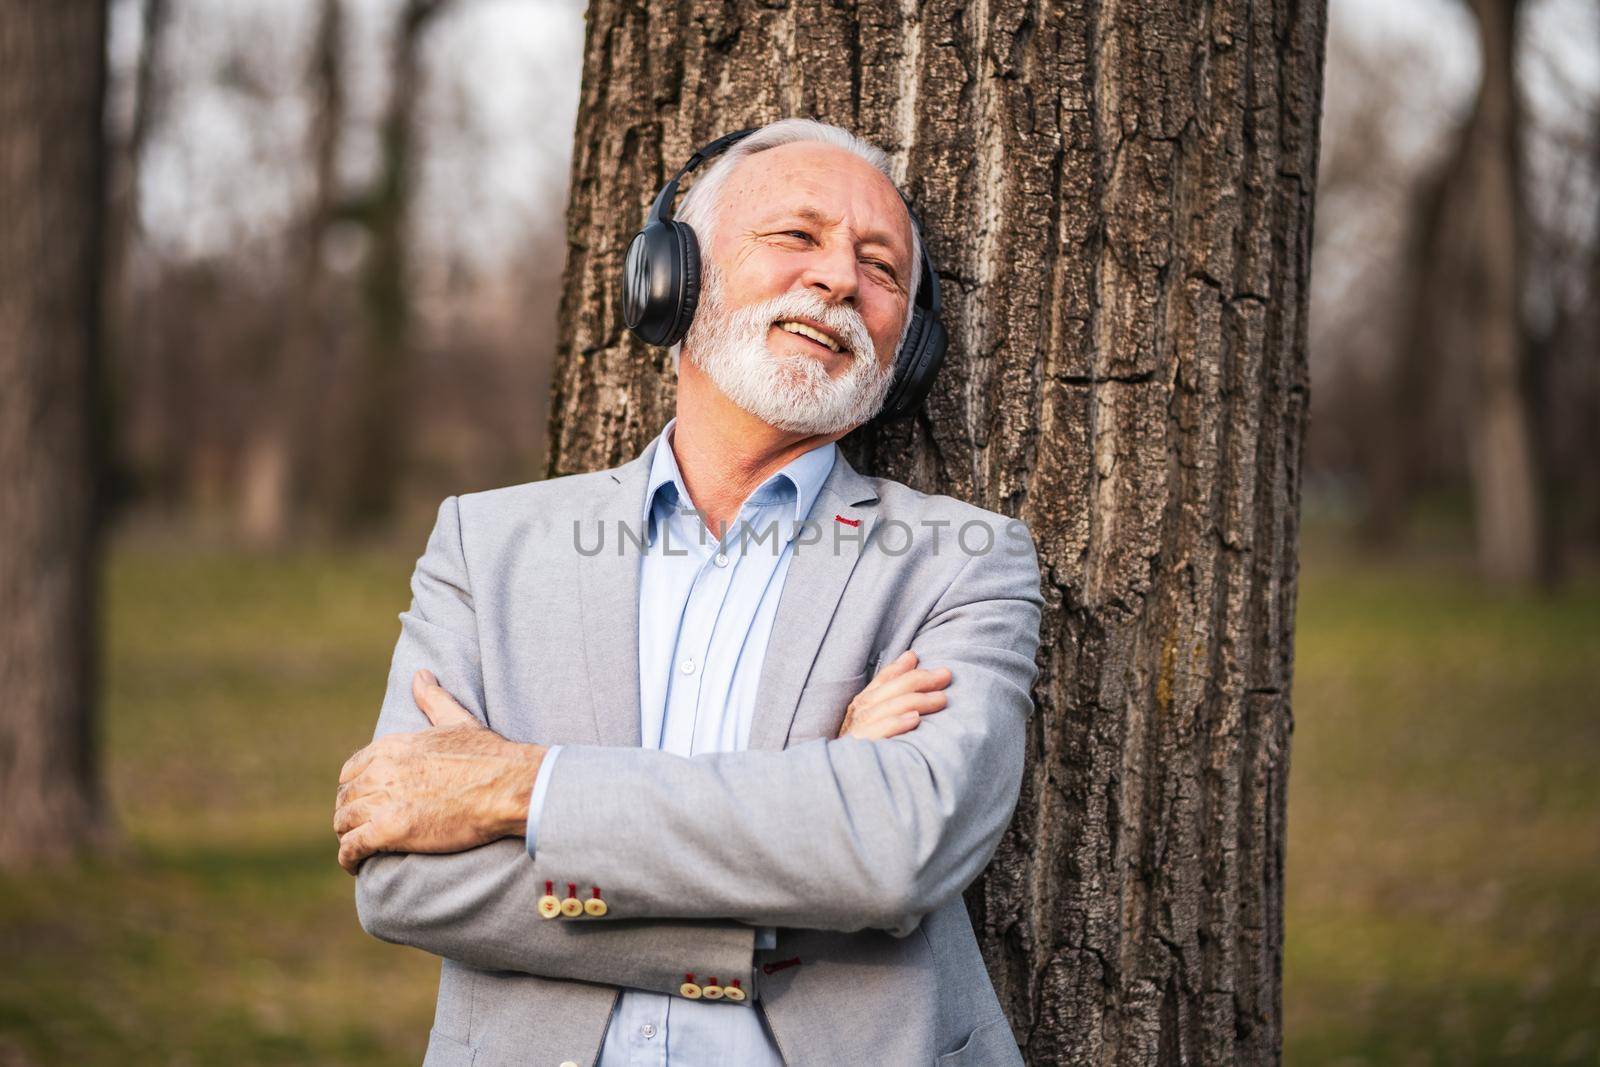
(279, 463)
(52, 85)
(1120, 203)
(1493, 218)
(1561, 188)
(123, 313)
(303, 263)
(1464, 312)
(384, 210)
(277, 456)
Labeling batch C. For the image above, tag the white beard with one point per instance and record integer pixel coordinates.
(792, 392)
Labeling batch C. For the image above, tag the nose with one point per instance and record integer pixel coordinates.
(831, 273)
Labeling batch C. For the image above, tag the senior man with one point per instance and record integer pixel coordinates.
(688, 762)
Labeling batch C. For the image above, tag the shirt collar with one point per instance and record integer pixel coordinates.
(802, 477)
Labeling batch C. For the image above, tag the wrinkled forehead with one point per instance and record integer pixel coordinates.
(824, 183)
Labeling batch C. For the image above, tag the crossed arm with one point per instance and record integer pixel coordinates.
(848, 834)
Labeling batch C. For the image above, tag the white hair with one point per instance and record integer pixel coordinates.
(699, 205)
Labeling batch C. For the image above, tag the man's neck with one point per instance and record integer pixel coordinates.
(724, 452)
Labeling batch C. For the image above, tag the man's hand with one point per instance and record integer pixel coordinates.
(451, 787)
(895, 700)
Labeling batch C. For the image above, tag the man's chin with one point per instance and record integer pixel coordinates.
(790, 409)
(791, 392)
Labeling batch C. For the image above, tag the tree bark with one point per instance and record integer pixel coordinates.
(52, 183)
(1119, 198)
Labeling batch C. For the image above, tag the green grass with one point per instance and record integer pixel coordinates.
(1444, 853)
(222, 932)
(1444, 820)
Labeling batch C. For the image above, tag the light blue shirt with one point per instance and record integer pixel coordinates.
(705, 614)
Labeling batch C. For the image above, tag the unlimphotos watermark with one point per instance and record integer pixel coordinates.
(892, 537)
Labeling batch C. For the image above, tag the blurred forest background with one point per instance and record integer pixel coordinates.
(334, 243)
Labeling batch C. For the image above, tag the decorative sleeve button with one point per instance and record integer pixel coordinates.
(688, 988)
(549, 904)
(572, 906)
(594, 907)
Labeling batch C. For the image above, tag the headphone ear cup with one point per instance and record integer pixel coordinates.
(904, 359)
(636, 281)
(654, 278)
(689, 289)
(916, 365)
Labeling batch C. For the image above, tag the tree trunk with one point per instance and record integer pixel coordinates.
(135, 450)
(123, 229)
(52, 84)
(1397, 448)
(1119, 198)
(1500, 443)
(379, 446)
(278, 454)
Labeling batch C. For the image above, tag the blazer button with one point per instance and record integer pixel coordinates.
(733, 992)
(569, 1063)
(571, 905)
(549, 907)
(595, 907)
(688, 988)
(712, 991)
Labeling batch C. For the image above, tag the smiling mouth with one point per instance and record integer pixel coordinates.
(810, 333)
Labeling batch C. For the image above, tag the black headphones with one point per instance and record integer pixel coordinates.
(661, 289)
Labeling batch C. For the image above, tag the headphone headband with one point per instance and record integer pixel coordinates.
(661, 210)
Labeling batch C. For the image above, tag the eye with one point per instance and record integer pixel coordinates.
(803, 235)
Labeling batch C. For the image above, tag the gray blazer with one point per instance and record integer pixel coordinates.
(858, 851)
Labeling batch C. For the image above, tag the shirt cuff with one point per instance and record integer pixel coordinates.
(541, 785)
(766, 937)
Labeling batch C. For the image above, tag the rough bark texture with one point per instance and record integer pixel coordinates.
(1119, 198)
(52, 83)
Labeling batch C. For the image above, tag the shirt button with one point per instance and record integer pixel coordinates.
(687, 666)
(721, 559)
(648, 1030)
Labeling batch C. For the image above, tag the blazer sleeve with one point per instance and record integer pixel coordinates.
(840, 834)
(479, 907)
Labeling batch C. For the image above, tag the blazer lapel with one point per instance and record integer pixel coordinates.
(609, 589)
(817, 576)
